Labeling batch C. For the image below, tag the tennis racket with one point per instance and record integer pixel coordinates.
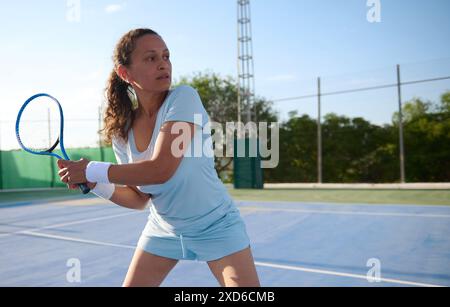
(40, 127)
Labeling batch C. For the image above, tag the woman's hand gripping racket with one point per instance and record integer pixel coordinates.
(40, 127)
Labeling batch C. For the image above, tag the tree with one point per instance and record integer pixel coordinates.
(298, 151)
(411, 110)
(426, 139)
(445, 103)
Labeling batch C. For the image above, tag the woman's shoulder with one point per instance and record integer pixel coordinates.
(183, 93)
(185, 104)
(184, 89)
(182, 96)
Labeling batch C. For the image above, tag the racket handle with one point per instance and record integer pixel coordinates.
(84, 188)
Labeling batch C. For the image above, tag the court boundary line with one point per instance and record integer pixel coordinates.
(43, 201)
(340, 274)
(337, 212)
(77, 240)
(76, 222)
(242, 202)
(257, 263)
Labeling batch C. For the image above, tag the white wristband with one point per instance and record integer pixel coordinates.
(104, 190)
(97, 172)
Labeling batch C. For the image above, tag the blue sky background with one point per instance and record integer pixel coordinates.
(294, 42)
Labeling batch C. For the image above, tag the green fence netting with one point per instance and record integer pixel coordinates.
(20, 169)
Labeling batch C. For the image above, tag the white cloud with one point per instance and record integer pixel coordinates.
(112, 8)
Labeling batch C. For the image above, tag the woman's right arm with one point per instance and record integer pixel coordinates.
(130, 197)
(126, 196)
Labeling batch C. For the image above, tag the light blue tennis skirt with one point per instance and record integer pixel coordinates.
(224, 237)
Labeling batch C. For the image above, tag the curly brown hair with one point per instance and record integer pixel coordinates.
(119, 115)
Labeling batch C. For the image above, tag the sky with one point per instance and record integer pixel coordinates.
(64, 48)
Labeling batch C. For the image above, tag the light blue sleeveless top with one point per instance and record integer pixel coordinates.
(195, 197)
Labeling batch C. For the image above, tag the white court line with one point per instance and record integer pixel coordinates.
(264, 264)
(337, 212)
(388, 280)
(107, 217)
(339, 204)
(92, 242)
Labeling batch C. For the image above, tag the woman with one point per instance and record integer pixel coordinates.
(192, 216)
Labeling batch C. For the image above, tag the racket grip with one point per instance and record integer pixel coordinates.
(84, 188)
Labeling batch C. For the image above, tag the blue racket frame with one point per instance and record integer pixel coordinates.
(83, 187)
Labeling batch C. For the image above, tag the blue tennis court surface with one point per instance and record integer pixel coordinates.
(294, 244)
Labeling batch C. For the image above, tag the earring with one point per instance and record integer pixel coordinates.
(133, 97)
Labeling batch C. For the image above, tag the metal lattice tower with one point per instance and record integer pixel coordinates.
(246, 80)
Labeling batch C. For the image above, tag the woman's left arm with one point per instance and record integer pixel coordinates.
(172, 141)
